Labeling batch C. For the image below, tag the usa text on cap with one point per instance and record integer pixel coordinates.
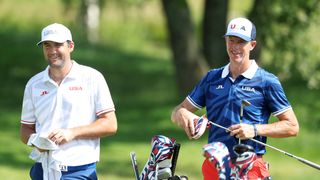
(242, 28)
(55, 32)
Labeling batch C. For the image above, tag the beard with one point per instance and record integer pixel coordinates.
(56, 63)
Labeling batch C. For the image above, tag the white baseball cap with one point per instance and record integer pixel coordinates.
(242, 28)
(55, 32)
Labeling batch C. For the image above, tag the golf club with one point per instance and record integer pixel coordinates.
(134, 165)
(307, 162)
(176, 150)
(243, 104)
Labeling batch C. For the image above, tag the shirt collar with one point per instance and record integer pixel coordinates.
(46, 76)
(72, 74)
(249, 73)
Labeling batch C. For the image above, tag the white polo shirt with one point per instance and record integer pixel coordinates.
(78, 100)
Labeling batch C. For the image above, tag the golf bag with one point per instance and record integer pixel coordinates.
(162, 161)
(239, 169)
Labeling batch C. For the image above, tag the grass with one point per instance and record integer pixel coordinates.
(136, 62)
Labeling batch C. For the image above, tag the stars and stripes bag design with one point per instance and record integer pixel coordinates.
(160, 158)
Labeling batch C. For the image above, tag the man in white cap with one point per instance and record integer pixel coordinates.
(221, 91)
(66, 109)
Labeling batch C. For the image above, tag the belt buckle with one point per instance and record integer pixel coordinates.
(63, 168)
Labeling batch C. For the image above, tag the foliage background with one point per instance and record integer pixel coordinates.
(134, 57)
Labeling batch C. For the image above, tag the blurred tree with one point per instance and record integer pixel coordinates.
(283, 41)
(188, 61)
(89, 17)
(285, 37)
(214, 26)
(281, 25)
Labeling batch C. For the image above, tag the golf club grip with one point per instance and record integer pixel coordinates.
(176, 149)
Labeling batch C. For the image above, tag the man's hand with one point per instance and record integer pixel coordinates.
(186, 122)
(242, 131)
(61, 136)
(188, 126)
(183, 115)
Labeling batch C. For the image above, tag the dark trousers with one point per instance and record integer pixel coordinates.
(85, 172)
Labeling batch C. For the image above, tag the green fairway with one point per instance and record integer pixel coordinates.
(141, 79)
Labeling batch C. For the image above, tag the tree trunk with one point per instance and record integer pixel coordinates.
(93, 20)
(214, 27)
(90, 19)
(255, 16)
(188, 62)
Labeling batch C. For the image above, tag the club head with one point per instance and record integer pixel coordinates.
(245, 103)
(164, 173)
(178, 178)
(241, 148)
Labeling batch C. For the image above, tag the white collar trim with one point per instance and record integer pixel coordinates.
(249, 73)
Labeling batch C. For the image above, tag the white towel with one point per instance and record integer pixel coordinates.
(50, 166)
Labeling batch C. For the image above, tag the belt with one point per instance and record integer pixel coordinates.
(77, 168)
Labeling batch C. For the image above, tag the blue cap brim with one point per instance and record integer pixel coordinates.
(246, 38)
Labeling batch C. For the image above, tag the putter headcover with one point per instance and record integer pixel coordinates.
(160, 158)
(243, 165)
(218, 154)
(200, 125)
